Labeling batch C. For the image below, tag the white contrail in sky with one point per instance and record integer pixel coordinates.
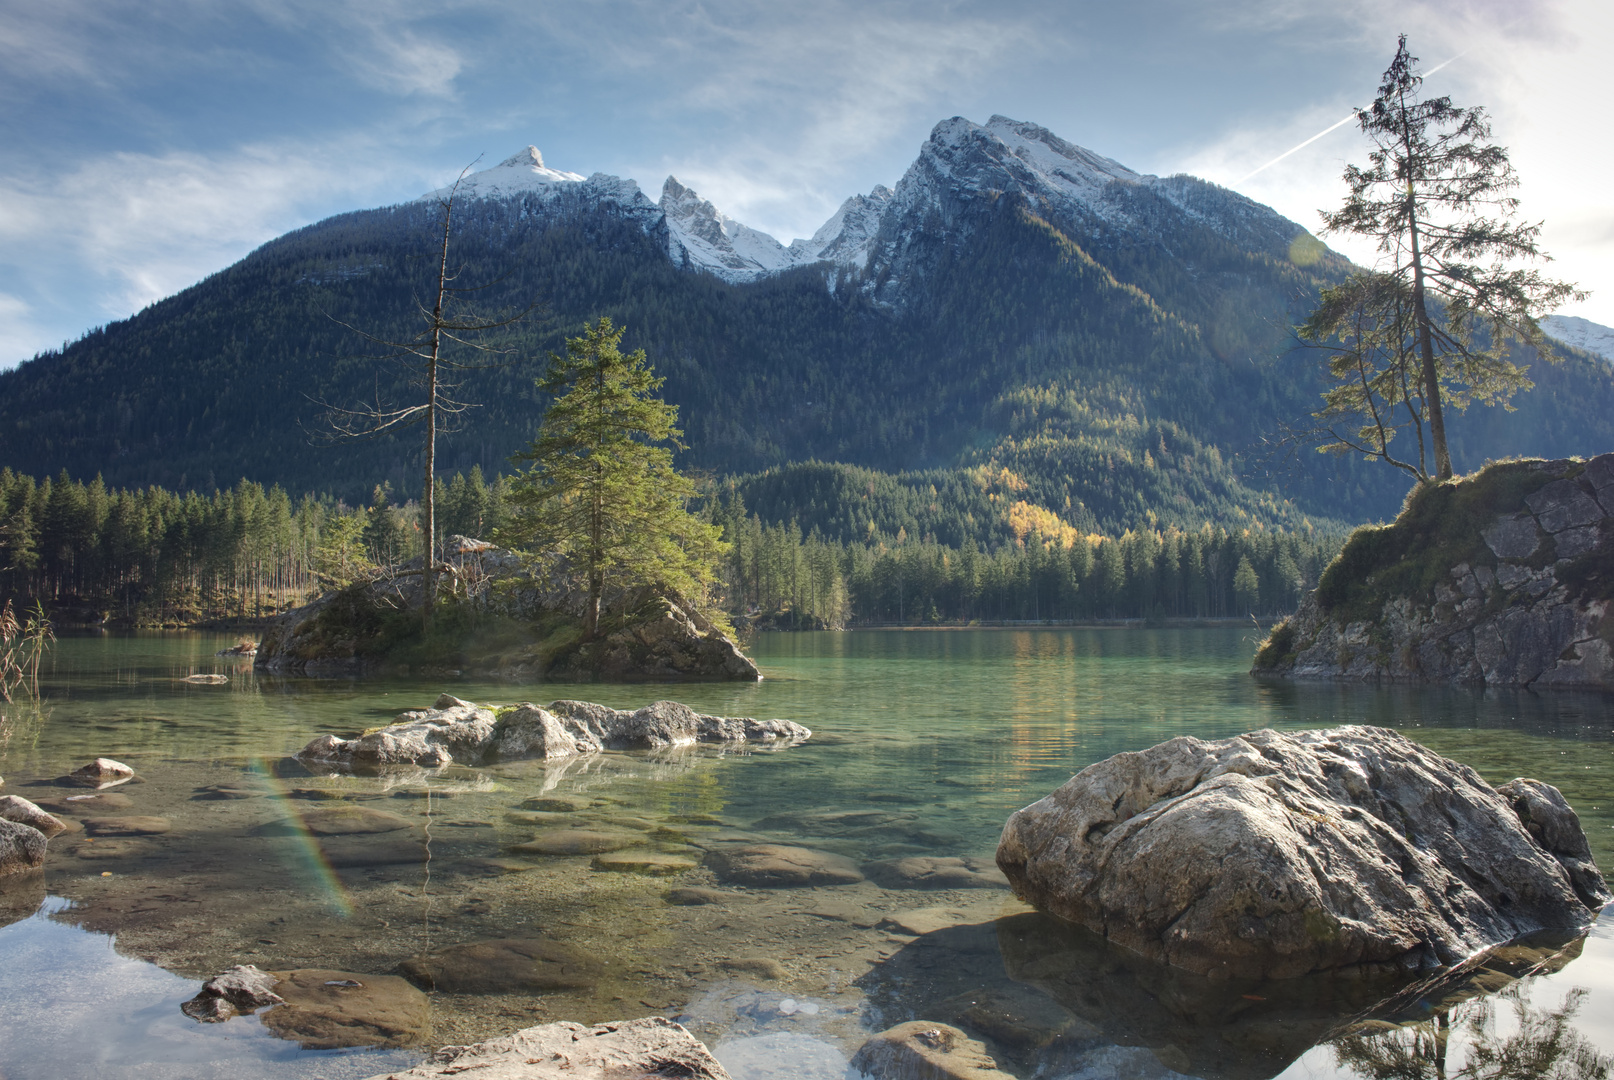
(1331, 127)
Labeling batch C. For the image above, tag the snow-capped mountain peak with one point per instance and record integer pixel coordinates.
(700, 236)
(1582, 334)
(519, 173)
(847, 237)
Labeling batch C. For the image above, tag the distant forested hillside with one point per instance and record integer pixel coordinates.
(1100, 381)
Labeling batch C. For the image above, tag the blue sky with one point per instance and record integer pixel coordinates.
(146, 144)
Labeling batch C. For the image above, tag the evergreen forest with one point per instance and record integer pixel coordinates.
(154, 557)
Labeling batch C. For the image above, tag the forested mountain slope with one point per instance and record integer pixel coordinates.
(1018, 319)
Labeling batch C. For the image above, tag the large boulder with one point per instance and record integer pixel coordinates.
(1274, 855)
(618, 1051)
(646, 634)
(1504, 578)
(460, 732)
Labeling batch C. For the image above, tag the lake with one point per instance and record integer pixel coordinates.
(924, 742)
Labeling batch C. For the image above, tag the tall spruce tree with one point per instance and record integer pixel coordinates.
(1433, 326)
(600, 490)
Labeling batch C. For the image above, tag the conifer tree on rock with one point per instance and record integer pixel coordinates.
(600, 490)
(1433, 326)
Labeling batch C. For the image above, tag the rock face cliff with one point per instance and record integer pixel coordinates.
(518, 624)
(1501, 579)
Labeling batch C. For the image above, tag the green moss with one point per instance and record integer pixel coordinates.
(1278, 650)
(1438, 528)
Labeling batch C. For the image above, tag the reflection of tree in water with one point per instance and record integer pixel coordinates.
(1546, 1045)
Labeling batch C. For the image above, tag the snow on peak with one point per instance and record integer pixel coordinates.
(1582, 334)
(1009, 155)
(519, 173)
(700, 236)
(528, 157)
(848, 236)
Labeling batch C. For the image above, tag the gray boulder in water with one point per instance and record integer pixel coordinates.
(1271, 855)
(22, 847)
(460, 732)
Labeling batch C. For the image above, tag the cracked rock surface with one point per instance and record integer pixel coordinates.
(1272, 855)
(1526, 604)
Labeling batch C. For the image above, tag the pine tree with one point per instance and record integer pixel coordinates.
(599, 490)
(1433, 325)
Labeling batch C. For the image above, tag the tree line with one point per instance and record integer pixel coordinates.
(157, 557)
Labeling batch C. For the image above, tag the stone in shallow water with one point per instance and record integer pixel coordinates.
(240, 991)
(225, 792)
(87, 804)
(1017, 1018)
(925, 872)
(554, 804)
(757, 967)
(102, 772)
(132, 825)
(23, 812)
(22, 847)
(927, 920)
(326, 1010)
(781, 865)
(1274, 854)
(922, 1048)
(696, 896)
(575, 842)
(503, 967)
(640, 861)
(624, 1050)
(342, 854)
(113, 849)
(352, 821)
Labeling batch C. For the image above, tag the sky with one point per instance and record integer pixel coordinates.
(145, 144)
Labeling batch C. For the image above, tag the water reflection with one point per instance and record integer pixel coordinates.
(1539, 1044)
(924, 743)
(1055, 1000)
(76, 1009)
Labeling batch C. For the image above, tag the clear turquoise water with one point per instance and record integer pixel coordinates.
(944, 732)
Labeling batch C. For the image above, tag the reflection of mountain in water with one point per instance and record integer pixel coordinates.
(1061, 1001)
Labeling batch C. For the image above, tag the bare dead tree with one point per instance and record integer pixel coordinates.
(432, 364)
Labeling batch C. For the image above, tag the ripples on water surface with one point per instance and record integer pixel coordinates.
(931, 737)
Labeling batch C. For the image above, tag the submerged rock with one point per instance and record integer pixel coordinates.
(651, 1047)
(1502, 579)
(133, 825)
(460, 732)
(1274, 855)
(781, 865)
(928, 1050)
(508, 966)
(22, 847)
(327, 1010)
(20, 810)
(928, 872)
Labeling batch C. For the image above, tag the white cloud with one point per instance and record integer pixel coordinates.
(125, 230)
(24, 336)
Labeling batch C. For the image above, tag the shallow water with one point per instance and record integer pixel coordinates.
(924, 741)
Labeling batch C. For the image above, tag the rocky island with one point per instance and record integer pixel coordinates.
(503, 619)
(1501, 579)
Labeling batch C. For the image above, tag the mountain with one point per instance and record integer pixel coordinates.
(1018, 321)
(1582, 334)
